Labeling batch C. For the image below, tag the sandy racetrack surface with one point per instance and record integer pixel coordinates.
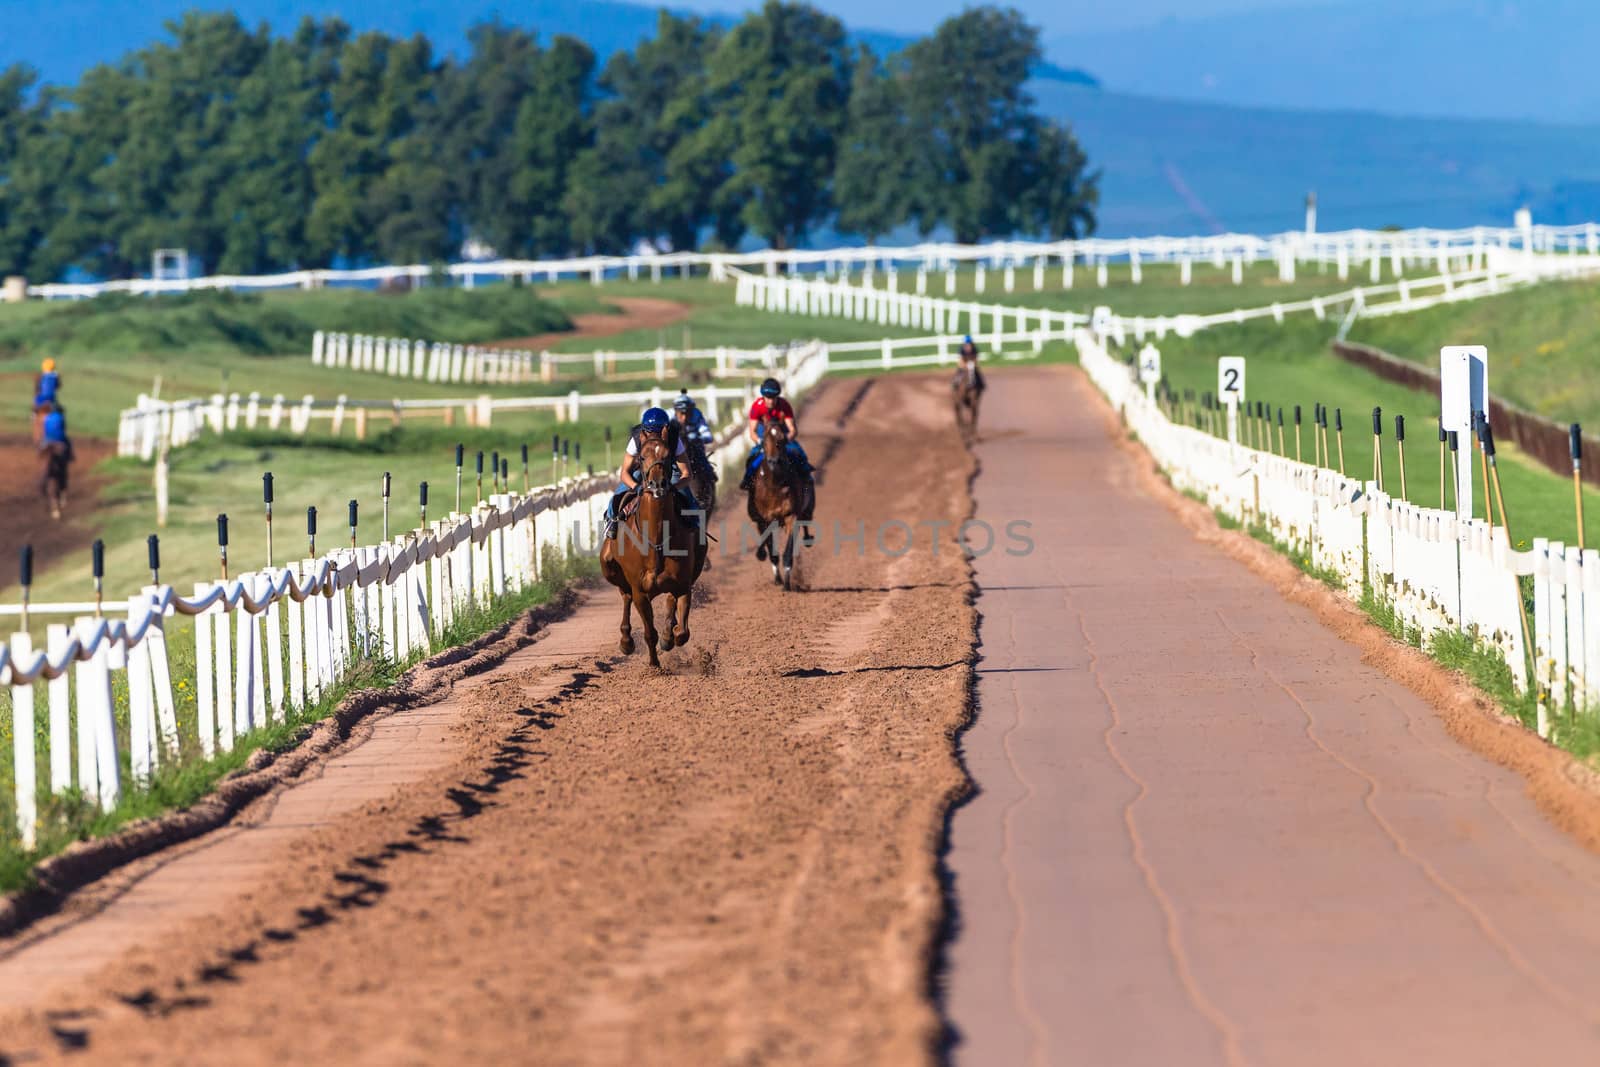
(633, 313)
(24, 516)
(724, 862)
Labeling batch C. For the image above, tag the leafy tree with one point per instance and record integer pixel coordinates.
(625, 186)
(876, 168)
(981, 146)
(778, 84)
(22, 128)
(551, 129)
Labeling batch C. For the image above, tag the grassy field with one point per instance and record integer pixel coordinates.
(1291, 364)
(1542, 343)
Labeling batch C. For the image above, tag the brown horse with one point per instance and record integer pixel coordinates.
(781, 496)
(966, 395)
(656, 552)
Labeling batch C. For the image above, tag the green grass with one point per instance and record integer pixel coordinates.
(1291, 364)
(1541, 342)
(224, 476)
(182, 781)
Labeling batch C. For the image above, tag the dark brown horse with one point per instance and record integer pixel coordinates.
(966, 395)
(656, 552)
(781, 497)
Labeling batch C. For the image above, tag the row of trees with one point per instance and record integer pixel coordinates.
(258, 153)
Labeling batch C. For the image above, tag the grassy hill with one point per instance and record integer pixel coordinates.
(1542, 345)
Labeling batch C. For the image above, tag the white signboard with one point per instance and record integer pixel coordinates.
(1150, 364)
(1463, 389)
(1230, 380)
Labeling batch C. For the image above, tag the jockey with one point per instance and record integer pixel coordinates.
(969, 364)
(691, 420)
(46, 384)
(771, 402)
(657, 424)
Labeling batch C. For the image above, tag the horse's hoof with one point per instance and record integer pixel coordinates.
(627, 646)
(682, 637)
(761, 552)
(666, 644)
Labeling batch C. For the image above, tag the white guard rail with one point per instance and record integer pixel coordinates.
(435, 361)
(1438, 573)
(144, 429)
(1341, 249)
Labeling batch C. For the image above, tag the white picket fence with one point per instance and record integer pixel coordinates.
(992, 324)
(144, 429)
(1438, 572)
(270, 641)
(1401, 250)
(442, 362)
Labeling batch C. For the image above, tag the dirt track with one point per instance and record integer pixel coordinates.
(24, 517)
(634, 313)
(1210, 830)
(728, 862)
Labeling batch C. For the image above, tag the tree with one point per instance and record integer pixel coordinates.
(22, 133)
(626, 185)
(873, 177)
(981, 147)
(778, 84)
(551, 129)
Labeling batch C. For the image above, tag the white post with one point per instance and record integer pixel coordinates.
(24, 768)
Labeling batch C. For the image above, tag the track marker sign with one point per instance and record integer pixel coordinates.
(1463, 389)
(1230, 390)
(1150, 369)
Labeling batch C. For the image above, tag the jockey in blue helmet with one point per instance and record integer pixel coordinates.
(771, 402)
(968, 365)
(691, 420)
(658, 424)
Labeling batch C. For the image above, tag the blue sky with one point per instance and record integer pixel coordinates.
(1055, 16)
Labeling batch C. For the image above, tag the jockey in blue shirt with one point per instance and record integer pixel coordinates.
(658, 424)
(692, 421)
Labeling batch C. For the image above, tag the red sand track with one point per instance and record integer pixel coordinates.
(24, 516)
(633, 313)
(1208, 831)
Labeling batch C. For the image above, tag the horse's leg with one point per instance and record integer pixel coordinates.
(627, 623)
(755, 520)
(647, 618)
(682, 629)
(788, 555)
(668, 642)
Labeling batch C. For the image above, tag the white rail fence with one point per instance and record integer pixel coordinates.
(441, 362)
(1445, 251)
(1439, 573)
(992, 324)
(267, 642)
(151, 425)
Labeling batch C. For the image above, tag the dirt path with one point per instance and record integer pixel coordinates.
(636, 313)
(726, 862)
(1209, 831)
(24, 516)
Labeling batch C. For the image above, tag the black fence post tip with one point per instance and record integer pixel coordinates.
(311, 521)
(460, 452)
(152, 546)
(422, 493)
(25, 565)
(266, 488)
(385, 483)
(222, 531)
(97, 558)
(1575, 442)
(1377, 422)
(1399, 427)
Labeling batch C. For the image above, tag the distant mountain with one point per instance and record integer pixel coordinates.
(1499, 59)
(64, 40)
(1179, 167)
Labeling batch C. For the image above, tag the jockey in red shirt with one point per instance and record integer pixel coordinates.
(771, 402)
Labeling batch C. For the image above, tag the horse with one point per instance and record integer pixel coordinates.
(656, 552)
(702, 475)
(779, 496)
(966, 395)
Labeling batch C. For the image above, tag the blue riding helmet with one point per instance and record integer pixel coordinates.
(654, 420)
(683, 403)
(771, 388)
(967, 340)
